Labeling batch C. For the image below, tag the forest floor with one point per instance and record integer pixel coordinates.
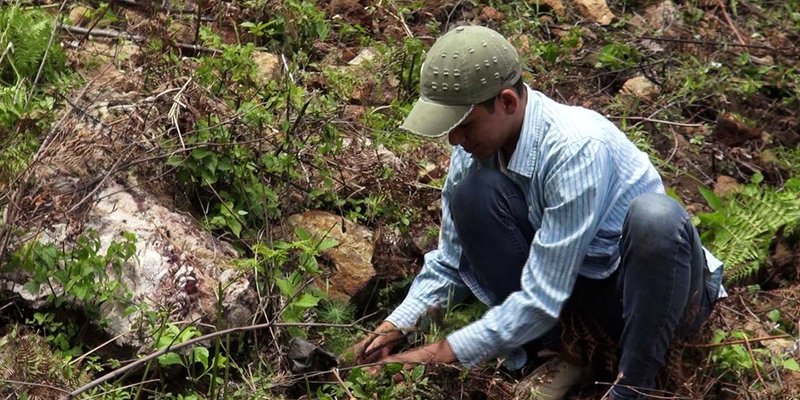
(244, 112)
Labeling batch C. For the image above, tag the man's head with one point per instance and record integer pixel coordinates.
(471, 89)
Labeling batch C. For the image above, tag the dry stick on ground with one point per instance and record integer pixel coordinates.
(21, 383)
(732, 342)
(730, 22)
(110, 33)
(753, 360)
(151, 356)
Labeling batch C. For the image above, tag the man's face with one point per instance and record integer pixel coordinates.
(482, 133)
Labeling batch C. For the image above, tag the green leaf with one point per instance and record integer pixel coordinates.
(774, 315)
(307, 300)
(200, 355)
(201, 153)
(713, 201)
(791, 365)
(170, 359)
(235, 226)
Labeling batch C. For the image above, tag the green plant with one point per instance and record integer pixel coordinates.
(80, 275)
(740, 229)
(361, 385)
(24, 40)
(737, 361)
(617, 56)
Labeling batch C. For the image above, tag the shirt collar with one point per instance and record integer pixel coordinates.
(523, 161)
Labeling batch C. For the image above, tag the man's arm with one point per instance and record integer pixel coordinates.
(439, 280)
(576, 190)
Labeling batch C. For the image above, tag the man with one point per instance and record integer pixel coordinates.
(548, 212)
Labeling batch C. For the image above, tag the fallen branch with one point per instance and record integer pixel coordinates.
(744, 341)
(111, 33)
(720, 44)
(151, 356)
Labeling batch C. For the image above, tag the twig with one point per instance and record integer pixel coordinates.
(34, 384)
(658, 121)
(77, 360)
(174, 110)
(341, 382)
(730, 22)
(111, 33)
(753, 360)
(732, 342)
(192, 342)
(720, 44)
(46, 52)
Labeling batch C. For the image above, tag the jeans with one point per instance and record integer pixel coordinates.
(661, 288)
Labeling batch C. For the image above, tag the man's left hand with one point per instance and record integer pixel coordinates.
(439, 352)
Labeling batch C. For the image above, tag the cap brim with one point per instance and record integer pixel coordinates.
(434, 119)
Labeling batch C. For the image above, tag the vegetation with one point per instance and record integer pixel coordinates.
(197, 116)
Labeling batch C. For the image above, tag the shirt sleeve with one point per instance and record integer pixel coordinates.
(439, 280)
(576, 189)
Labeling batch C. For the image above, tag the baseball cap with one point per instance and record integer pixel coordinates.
(466, 66)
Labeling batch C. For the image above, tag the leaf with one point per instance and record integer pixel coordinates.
(791, 365)
(170, 359)
(713, 201)
(307, 300)
(774, 315)
(200, 355)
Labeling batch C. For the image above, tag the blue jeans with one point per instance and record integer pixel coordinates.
(661, 288)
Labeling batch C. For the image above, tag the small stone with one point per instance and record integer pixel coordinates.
(726, 185)
(596, 10)
(268, 65)
(491, 14)
(365, 55)
(79, 15)
(640, 87)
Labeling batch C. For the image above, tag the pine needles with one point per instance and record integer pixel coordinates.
(740, 229)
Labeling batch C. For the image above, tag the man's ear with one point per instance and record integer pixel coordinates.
(509, 100)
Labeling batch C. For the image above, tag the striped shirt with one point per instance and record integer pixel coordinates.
(579, 174)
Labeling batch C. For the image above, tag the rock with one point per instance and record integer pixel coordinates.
(489, 13)
(726, 185)
(661, 17)
(178, 266)
(640, 87)
(365, 55)
(181, 32)
(596, 10)
(351, 258)
(556, 5)
(268, 65)
(79, 15)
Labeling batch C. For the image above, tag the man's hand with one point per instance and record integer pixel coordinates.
(377, 345)
(439, 352)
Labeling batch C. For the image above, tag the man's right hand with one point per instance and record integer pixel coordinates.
(377, 345)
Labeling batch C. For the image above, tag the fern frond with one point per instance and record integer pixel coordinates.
(24, 37)
(741, 231)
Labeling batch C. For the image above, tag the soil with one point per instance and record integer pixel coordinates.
(709, 133)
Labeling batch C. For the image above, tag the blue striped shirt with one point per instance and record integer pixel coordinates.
(579, 174)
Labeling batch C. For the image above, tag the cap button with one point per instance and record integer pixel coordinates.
(460, 29)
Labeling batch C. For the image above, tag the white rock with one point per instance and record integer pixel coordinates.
(640, 87)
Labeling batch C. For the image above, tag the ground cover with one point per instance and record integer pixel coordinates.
(242, 113)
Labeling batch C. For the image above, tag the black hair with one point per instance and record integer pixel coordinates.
(519, 87)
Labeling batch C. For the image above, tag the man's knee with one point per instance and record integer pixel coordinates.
(475, 194)
(654, 214)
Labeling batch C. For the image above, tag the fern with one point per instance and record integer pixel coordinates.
(24, 37)
(740, 230)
